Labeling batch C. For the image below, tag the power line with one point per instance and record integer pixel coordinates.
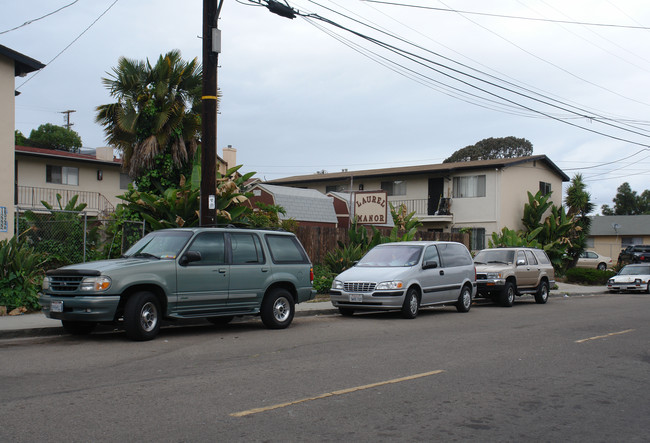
(71, 43)
(29, 22)
(568, 22)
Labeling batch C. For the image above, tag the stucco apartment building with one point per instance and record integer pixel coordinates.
(12, 64)
(484, 195)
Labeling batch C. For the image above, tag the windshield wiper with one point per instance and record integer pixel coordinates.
(497, 261)
(146, 254)
(479, 262)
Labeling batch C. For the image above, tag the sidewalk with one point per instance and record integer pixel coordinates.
(36, 324)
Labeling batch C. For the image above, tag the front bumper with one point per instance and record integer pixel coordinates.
(377, 300)
(628, 287)
(488, 285)
(81, 308)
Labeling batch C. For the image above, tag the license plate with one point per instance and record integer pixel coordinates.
(56, 306)
(356, 298)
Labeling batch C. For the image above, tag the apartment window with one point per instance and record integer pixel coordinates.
(469, 186)
(545, 188)
(62, 175)
(334, 188)
(124, 181)
(3, 219)
(476, 238)
(397, 187)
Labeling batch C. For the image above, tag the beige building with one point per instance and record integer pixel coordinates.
(96, 179)
(484, 196)
(12, 65)
(611, 233)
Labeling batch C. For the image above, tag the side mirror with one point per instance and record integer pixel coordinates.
(189, 257)
(521, 262)
(430, 264)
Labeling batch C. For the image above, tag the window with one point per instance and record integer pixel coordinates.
(431, 254)
(124, 181)
(545, 188)
(286, 249)
(397, 187)
(246, 249)
(64, 175)
(521, 256)
(629, 241)
(469, 186)
(454, 254)
(334, 188)
(212, 248)
(531, 258)
(3, 219)
(476, 238)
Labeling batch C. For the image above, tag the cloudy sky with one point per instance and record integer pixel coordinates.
(364, 84)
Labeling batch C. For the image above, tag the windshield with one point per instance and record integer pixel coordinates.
(494, 256)
(159, 244)
(395, 256)
(635, 270)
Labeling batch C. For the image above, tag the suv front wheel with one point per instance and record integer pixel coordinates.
(507, 295)
(142, 316)
(278, 309)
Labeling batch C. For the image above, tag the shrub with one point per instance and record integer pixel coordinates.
(21, 274)
(323, 279)
(588, 276)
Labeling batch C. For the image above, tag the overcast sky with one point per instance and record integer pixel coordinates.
(302, 95)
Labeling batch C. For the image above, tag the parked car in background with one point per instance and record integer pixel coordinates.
(634, 254)
(635, 278)
(502, 273)
(593, 260)
(212, 273)
(406, 276)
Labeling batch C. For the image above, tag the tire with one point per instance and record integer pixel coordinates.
(278, 309)
(78, 327)
(601, 267)
(142, 316)
(411, 304)
(346, 312)
(647, 289)
(221, 321)
(541, 296)
(465, 299)
(507, 295)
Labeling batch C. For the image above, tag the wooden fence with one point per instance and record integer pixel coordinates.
(318, 241)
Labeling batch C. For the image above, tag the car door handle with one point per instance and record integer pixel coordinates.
(442, 272)
(265, 269)
(221, 270)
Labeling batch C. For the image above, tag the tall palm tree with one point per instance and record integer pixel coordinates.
(157, 110)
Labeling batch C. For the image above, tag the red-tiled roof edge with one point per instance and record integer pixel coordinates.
(64, 154)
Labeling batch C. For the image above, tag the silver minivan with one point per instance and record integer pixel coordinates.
(407, 276)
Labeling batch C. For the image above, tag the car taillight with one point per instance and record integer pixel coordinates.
(311, 275)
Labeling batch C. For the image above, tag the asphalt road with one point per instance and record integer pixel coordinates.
(575, 369)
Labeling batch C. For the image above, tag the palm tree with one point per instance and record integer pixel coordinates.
(157, 110)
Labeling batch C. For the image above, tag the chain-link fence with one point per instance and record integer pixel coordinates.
(69, 237)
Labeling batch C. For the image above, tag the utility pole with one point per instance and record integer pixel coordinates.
(211, 50)
(67, 113)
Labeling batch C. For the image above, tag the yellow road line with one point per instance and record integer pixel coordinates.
(333, 393)
(604, 336)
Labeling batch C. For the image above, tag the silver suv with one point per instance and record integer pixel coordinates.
(407, 276)
(502, 273)
(213, 273)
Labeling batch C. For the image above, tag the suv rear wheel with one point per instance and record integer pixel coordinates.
(541, 296)
(277, 309)
(507, 295)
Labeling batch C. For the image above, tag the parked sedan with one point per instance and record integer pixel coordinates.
(634, 278)
(593, 260)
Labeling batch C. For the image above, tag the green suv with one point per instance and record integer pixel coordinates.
(212, 273)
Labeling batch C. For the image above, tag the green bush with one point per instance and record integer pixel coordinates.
(323, 279)
(588, 276)
(21, 274)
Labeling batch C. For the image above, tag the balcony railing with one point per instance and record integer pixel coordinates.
(421, 207)
(31, 197)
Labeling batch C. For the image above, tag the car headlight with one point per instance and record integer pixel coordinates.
(98, 284)
(390, 285)
(637, 281)
(493, 275)
(46, 283)
(337, 284)
(610, 281)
